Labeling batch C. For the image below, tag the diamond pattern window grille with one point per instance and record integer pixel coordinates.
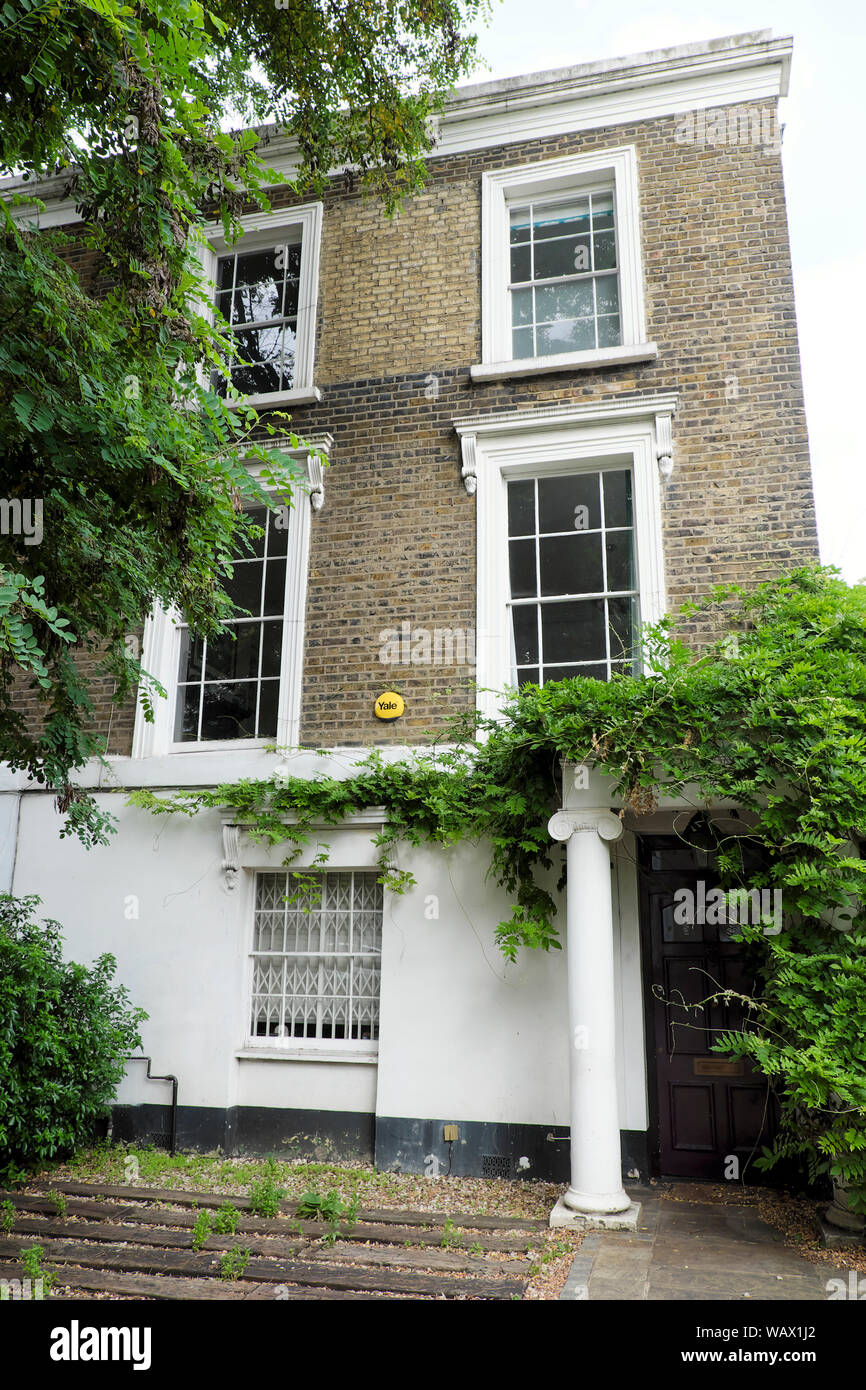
(317, 951)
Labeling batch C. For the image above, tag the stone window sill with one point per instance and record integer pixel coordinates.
(297, 1054)
(565, 362)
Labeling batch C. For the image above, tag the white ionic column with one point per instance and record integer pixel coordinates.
(596, 1168)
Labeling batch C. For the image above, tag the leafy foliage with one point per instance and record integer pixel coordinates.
(107, 414)
(65, 1029)
(329, 1207)
(771, 718)
(265, 1192)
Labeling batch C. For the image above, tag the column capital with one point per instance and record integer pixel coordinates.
(563, 824)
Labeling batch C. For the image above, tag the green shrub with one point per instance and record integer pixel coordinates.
(64, 1030)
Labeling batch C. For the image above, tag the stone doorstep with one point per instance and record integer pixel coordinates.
(598, 1221)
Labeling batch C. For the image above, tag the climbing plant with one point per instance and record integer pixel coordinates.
(771, 716)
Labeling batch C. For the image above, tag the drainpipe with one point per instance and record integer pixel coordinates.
(152, 1076)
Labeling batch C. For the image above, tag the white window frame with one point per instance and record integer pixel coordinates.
(634, 434)
(162, 637)
(556, 178)
(262, 230)
(334, 1049)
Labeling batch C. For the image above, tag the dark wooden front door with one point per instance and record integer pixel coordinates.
(709, 1110)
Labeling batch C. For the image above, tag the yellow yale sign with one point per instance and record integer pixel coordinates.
(389, 706)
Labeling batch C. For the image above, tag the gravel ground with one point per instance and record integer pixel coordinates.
(550, 1263)
(793, 1216)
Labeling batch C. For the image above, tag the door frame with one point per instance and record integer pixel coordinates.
(654, 1142)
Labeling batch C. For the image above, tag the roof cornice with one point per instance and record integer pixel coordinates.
(668, 81)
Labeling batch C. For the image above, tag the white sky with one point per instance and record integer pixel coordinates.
(822, 159)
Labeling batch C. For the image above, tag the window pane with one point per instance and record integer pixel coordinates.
(278, 532)
(522, 342)
(620, 569)
(564, 219)
(607, 294)
(521, 508)
(191, 649)
(186, 718)
(571, 564)
(569, 504)
(521, 307)
(272, 647)
(521, 263)
(225, 274)
(608, 331)
(554, 258)
(623, 626)
(519, 221)
(260, 267)
(604, 250)
(234, 660)
(522, 565)
(602, 210)
(262, 350)
(253, 303)
(572, 335)
(563, 673)
(290, 299)
(268, 709)
(229, 711)
(527, 676)
(292, 257)
(245, 586)
(290, 344)
(569, 301)
(573, 631)
(525, 623)
(257, 516)
(617, 497)
(275, 587)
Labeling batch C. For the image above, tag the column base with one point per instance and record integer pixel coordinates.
(592, 1202)
(626, 1220)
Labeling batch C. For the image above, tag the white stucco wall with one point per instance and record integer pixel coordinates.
(463, 1034)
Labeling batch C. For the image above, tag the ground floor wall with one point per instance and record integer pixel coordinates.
(465, 1038)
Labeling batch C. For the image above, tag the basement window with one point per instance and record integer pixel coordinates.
(316, 960)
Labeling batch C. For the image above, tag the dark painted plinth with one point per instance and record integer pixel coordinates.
(397, 1143)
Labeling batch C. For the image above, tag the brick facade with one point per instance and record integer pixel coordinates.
(399, 326)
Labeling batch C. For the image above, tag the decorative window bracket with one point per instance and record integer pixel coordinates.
(469, 469)
(315, 469)
(664, 446)
(231, 865)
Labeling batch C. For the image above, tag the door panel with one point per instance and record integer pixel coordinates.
(709, 1108)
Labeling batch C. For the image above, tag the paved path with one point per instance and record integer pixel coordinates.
(693, 1249)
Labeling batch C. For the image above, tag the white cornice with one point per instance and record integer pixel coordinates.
(555, 416)
(659, 407)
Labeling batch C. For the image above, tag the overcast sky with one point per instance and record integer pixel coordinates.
(822, 159)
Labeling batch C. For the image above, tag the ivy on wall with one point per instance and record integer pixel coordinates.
(771, 718)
